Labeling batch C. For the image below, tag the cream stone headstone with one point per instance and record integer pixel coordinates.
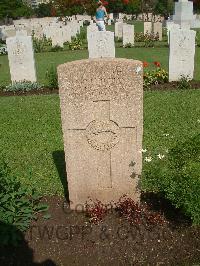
(157, 29)
(90, 29)
(57, 36)
(21, 58)
(10, 32)
(182, 52)
(118, 29)
(128, 34)
(101, 44)
(184, 15)
(21, 33)
(147, 27)
(171, 26)
(66, 33)
(102, 122)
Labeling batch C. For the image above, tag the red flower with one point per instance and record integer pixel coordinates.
(125, 2)
(145, 64)
(105, 3)
(157, 64)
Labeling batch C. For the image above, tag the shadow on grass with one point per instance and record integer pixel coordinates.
(14, 249)
(59, 160)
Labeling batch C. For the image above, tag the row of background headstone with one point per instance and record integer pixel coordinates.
(105, 47)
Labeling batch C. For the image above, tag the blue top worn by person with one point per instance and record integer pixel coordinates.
(100, 14)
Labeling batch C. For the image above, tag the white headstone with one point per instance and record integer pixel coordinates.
(157, 29)
(66, 33)
(128, 34)
(118, 29)
(21, 33)
(101, 44)
(90, 29)
(57, 36)
(184, 13)
(21, 58)
(171, 26)
(182, 52)
(147, 27)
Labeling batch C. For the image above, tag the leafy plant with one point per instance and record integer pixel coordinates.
(147, 39)
(38, 45)
(3, 49)
(56, 48)
(96, 211)
(128, 45)
(156, 76)
(52, 78)
(76, 44)
(184, 84)
(82, 35)
(177, 177)
(198, 38)
(136, 214)
(23, 86)
(117, 39)
(17, 207)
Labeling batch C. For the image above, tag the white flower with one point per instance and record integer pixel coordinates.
(166, 135)
(148, 159)
(160, 156)
(143, 151)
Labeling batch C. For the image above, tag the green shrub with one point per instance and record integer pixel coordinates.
(76, 44)
(184, 84)
(177, 177)
(128, 45)
(41, 45)
(82, 35)
(156, 76)
(18, 207)
(52, 78)
(56, 48)
(38, 45)
(23, 86)
(3, 49)
(118, 39)
(147, 39)
(198, 38)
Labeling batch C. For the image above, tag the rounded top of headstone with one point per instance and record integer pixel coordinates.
(101, 61)
(100, 79)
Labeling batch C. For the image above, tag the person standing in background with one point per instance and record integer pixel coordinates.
(100, 14)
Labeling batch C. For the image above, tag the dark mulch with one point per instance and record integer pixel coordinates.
(173, 86)
(68, 238)
(45, 91)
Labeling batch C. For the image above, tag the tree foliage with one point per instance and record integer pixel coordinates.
(14, 9)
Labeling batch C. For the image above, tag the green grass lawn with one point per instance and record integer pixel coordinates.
(45, 60)
(31, 135)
